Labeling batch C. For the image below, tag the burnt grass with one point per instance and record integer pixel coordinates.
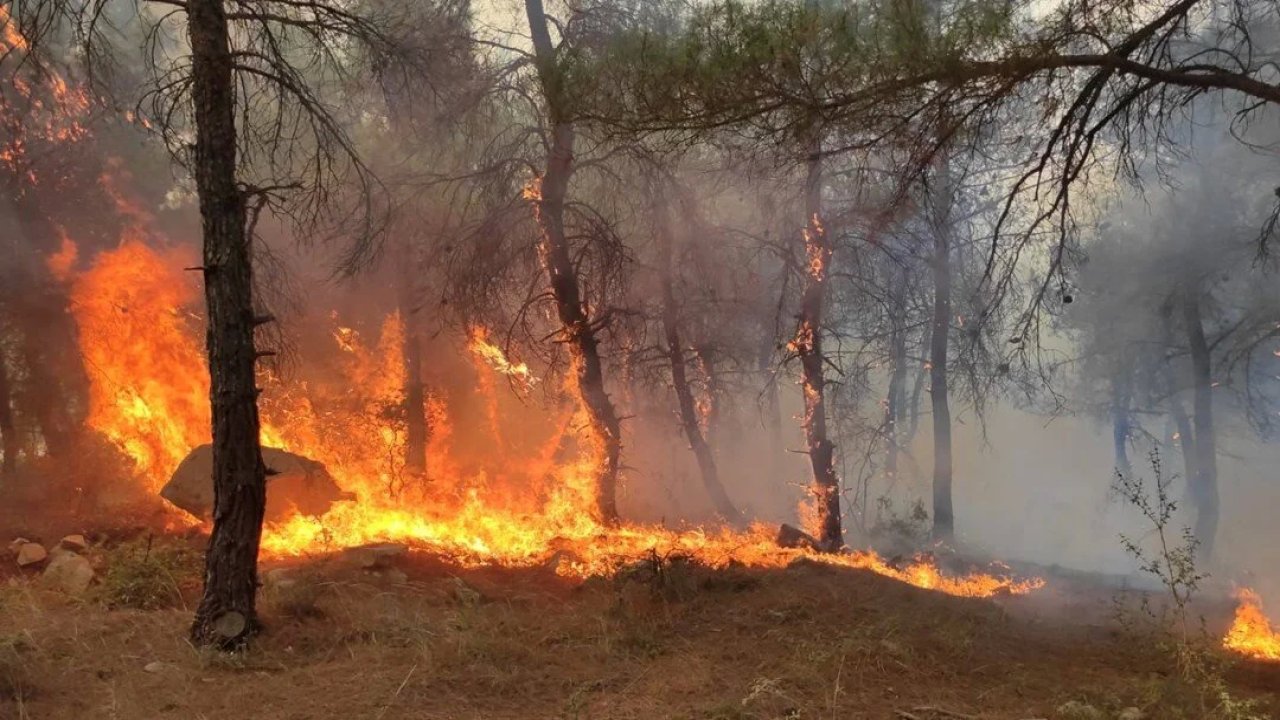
(423, 638)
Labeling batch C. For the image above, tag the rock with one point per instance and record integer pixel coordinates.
(69, 573)
(156, 666)
(299, 485)
(1131, 713)
(75, 543)
(790, 536)
(375, 557)
(1076, 710)
(31, 554)
(16, 545)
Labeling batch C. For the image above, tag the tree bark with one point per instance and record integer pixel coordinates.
(226, 616)
(807, 344)
(943, 514)
(9, 441)
(1204, 484)
(680, 380)
(577, 330)
(417, 429)
(896, 396)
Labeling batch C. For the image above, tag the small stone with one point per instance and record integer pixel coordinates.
(31, 554)
(16, 545)
(156, 666)
(75, 543)
(69, 573)
(1131, 713)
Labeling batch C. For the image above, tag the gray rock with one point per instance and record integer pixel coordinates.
(69, 573)
(75, 543)
(300, 486)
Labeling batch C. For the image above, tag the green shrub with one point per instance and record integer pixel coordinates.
(144, 576)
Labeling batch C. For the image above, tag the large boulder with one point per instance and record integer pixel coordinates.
(295, 485)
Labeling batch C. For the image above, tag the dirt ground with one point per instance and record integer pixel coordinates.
(423, 639)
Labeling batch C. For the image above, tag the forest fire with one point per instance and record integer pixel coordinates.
(526, 508)
(1252, 634)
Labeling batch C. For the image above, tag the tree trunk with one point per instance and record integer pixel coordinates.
(1204, 484)
(1186, 438)
(415, 397)
(807, 344)
(896, 396)
(9, 442)
(226, 616)
(577, 330)
(1120, 424)
(680, 381)
(57, 384)
(943, 515)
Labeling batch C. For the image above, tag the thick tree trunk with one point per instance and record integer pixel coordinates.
(9, 442)
(1204, 484)
(689, 419)
(577, 330)
(943, 515)
(807, 344)
(226, 616)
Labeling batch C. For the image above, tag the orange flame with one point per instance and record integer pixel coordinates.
(504, 506)
(1251, 633)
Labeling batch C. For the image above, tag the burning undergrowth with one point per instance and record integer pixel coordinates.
(518, 491)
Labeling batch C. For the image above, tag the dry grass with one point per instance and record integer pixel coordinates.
(432, 641)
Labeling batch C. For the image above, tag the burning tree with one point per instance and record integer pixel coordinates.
(548, 194)
(242, 105)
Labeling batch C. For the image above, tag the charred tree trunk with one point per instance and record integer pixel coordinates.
(943, 515)
(896, 396)
(417, 429)
(680, 381)
(1186, 438)
(226, 616)
(8, 433)
(1204, 484)
(807, 345)
(50, 350)
(577, 330)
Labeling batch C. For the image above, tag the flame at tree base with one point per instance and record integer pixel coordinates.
(1252, 634)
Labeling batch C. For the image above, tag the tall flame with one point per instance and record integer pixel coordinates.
(515, 504)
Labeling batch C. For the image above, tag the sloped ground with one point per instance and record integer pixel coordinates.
(426, 640)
